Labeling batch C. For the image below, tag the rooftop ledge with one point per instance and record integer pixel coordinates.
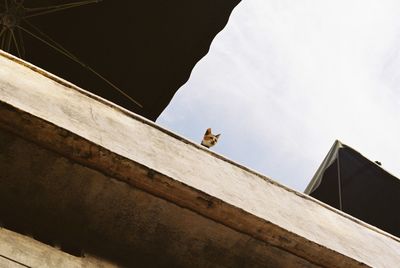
(231, 213)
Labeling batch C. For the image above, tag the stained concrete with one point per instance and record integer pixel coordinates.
(18, 251)
(60, 202)
(126, 187)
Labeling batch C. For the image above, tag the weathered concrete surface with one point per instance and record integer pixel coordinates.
(21, 251)
(61, 202)
(92, 132)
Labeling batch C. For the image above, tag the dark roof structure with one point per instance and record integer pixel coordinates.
(352, 183)
(147, 49)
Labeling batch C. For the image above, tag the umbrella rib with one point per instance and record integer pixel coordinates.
(2, 31)
(20, 3)
(66, 53)
(44, 41)
(73, 4)
(114, 86)
(16, 43)
(50, 9)
(3, 38)
(21, 41)
(2, 43)
(8, 44)
(49, 39)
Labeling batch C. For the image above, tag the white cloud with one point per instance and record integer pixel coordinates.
(285, 78)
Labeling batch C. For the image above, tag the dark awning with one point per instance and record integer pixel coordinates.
(350, 182)
(146, 48)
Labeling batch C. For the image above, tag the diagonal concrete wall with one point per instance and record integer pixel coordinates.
(53, 114)
(20, 251)
(60, 202)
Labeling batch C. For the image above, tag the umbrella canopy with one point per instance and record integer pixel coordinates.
(350, 182)
(134, 53)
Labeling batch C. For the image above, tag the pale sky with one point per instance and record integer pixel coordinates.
(286, 78)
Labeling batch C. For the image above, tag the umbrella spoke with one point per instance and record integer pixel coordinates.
(33, 12)
(15, 43)
(114, 86)
(18, 2)
(47, 42)
(3, 38)
(2, 31)
(21, 42)
(8, 41)
(53, 44)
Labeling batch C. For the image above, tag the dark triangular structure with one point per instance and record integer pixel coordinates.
(352, 183)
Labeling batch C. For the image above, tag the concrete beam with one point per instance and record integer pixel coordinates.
(21, 251)
(56, 115)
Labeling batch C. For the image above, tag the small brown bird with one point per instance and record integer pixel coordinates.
(209, 139)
